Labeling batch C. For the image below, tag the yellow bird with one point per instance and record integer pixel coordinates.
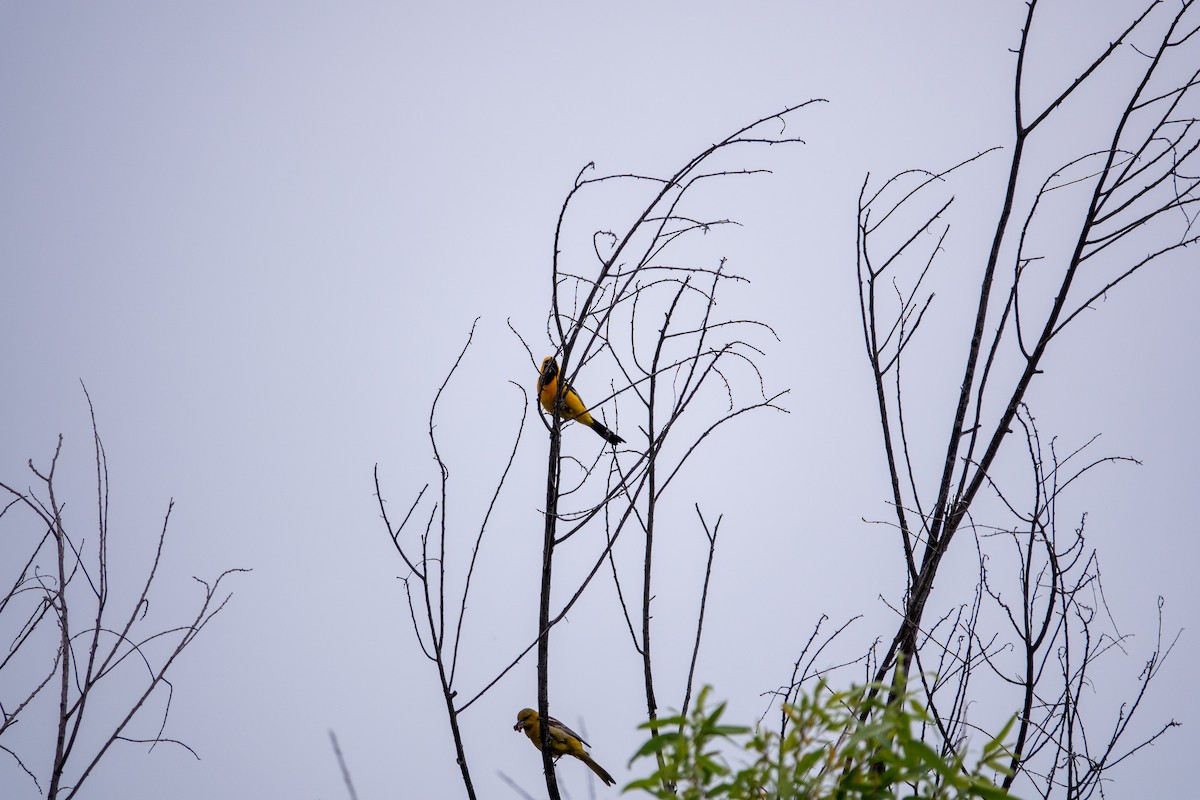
(563, 740)
(573, 407)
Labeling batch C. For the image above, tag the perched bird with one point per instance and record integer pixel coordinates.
(572, 404)
(563, 740)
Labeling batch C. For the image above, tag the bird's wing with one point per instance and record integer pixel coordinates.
(571, 390)
(556, 724)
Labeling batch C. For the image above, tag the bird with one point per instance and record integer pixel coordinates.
(563, 740)
(572, 403)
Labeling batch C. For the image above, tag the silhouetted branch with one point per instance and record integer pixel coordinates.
(87, 650)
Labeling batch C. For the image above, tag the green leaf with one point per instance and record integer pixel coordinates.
(930, 758)
(656, 744)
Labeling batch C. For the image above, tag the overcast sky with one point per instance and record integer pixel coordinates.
(260, 232)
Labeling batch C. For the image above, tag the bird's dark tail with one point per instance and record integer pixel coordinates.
(608, 435)
(596, 768)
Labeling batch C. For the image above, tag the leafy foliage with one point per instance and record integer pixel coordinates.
(851, 744)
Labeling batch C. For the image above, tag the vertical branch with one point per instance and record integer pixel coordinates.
(553, 476)
(345, 770)
(712, 551)
(652, 433)
(65, 654)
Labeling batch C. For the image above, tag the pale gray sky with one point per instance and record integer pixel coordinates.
(259, 232)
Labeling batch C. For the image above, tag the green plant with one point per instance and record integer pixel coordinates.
(851, 744)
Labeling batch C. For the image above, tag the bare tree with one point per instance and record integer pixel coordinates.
(1129, 205)
(429, 573)
(68, 639)
(647, 316)
(632, 304)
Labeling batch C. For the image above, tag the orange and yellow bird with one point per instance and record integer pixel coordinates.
(572, 403)
(563, 740)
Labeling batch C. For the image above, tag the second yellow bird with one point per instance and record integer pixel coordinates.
(563, 740)
(573, 407)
